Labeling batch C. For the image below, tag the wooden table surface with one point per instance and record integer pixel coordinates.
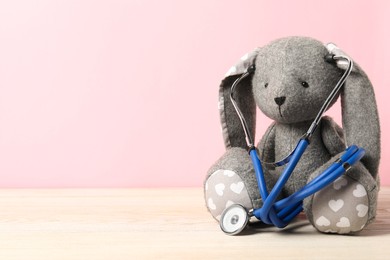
(160, 224)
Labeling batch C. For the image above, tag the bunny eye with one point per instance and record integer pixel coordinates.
(266, 85)
(305, 84)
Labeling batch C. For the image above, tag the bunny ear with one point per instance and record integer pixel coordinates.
(360, 117)
(233, 133)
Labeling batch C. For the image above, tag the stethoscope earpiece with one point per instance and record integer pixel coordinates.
(329, 58)
(251, 68)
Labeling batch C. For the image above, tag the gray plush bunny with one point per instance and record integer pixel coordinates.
(291, 82)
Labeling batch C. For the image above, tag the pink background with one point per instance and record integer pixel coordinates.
(124, 93)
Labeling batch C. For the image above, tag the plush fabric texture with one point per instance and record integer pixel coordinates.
(238, 161)
(290, 84)
(223, 189)
(230, 123)
(341, 207)
(234, 135)
(360, 118)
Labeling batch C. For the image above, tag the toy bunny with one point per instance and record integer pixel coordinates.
(290, 83)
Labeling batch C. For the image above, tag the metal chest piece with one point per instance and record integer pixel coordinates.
(234, 219)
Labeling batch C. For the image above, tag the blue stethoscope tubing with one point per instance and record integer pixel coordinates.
(280, 213)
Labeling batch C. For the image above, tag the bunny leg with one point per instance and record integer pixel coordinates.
(345, 206)
(231, 180)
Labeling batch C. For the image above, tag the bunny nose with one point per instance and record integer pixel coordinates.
(280, 100)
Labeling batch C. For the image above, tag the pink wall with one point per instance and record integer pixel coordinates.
(124, 93)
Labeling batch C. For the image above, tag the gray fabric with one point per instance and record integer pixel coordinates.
(341, 207)
(357, 175)
(290, 84)
(267, 148)
(238, 160)
(284, 64)
(360, 115)
(332, 136)
(233, 134)
(360, 118)
(231, 127)
(243, 64)
(224, 188)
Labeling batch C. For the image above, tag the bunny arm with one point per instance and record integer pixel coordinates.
(317, 205)
(332, 136)
(266, 146)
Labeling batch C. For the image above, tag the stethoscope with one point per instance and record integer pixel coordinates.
(280, 212)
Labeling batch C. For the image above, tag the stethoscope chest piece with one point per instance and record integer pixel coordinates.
(234, 219)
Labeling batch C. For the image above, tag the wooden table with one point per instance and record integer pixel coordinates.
(158, 224)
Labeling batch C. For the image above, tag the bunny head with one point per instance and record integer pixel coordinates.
(291, 81)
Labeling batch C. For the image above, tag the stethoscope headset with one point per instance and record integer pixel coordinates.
(275, 212)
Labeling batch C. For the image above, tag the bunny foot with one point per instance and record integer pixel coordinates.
(224, 188)
(342, 207)
(231, 180)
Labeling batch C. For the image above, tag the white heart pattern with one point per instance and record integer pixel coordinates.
(229, 203)
(336, 205)
(344, 222)
(245, 57)
(211, 204)
(229, 173)
(330, 231)
(362, 210)
(340, 182)
(219, 188)
(231, 71)
(322, 221)
(237, 187)
(359, 191)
